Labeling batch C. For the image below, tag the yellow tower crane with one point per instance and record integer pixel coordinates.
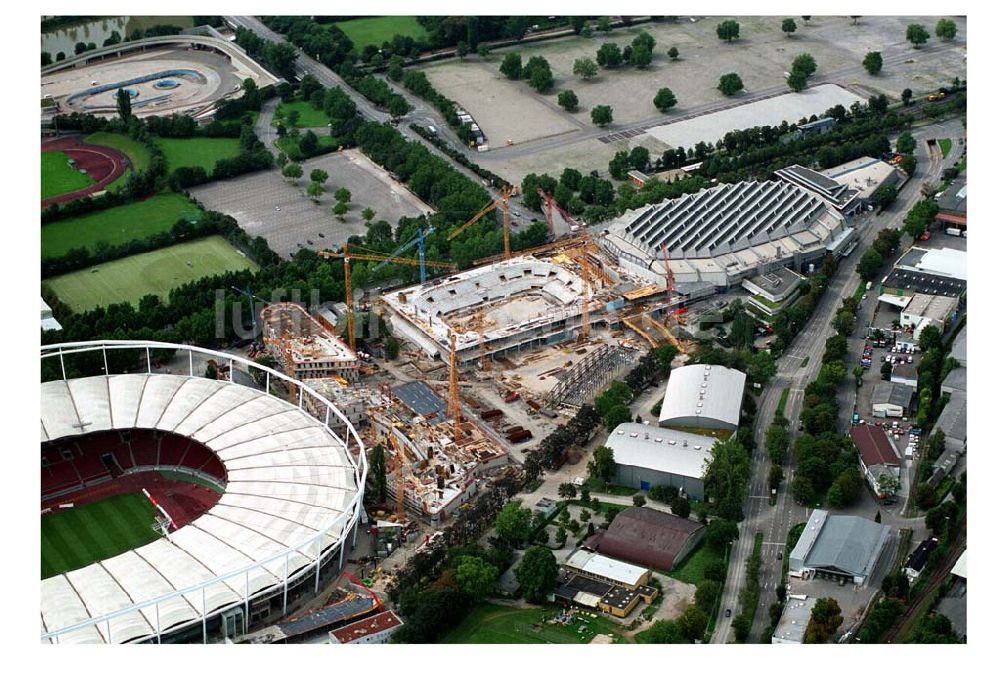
(359, 256)
(504, 204)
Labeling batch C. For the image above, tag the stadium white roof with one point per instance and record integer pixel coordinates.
(288, 478)
(661, 449)
(704, 396)
(605, 567)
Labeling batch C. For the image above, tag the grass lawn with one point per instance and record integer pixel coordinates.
(58, 177)
(81, 536)
(136, 152)
(945, 146)
(198, 151)
(495, 624)
(308, 116)
(116, 225)
(155, 272)
(290, 146)
(378, 29)
(782, 401)
(692, 570)
(961, 166)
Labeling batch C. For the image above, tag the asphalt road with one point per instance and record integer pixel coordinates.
(775, 521)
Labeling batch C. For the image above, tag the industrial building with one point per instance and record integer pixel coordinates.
(953, 421)
(306, 348)
(839, 196)
(905, 374)
(925, 310)
(726, 233)
(938, 272)
(703, 397)
(957, 381)
(960, 347)
(877, 455)
(865, 175)
(892, 399)
(647, 456)
(773, 291)
(952, 211)
(648, 537)
(791, 628)
(377, 629)
(607, 570)
(840, 547)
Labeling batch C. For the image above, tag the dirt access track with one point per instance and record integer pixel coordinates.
(101, 163)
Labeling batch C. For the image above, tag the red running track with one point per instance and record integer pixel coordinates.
(101, 163)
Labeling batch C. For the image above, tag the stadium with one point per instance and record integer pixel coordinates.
(212, 505)
(724, 234)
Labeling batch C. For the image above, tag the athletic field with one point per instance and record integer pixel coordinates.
(81, 536)
(495, 624)
(197, 151)
(137, 153)
(378, 29)
(58, 177)
(117, 225)
(155, 272)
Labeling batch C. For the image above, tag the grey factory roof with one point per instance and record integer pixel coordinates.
(419, 397)
(960, 347)
(931, 306)
(837, 194)
(953, 417)
(709, 392)
(840, 542)
(957, 379)
(886, 392)
(663, 450)
(953, 199)
(724, 218)
(865, 175)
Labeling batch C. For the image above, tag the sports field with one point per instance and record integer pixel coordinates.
(308, 116)
(378, 29)
(117, 225)
(136, 152)
(495, 624)
(81, 536)
(198, 151)
(155, 272)
(58, 177)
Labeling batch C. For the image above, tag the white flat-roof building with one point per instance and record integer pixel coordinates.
(601, 568)
(647, 456)
(791, 629)
(926, 310)
(703, 396)
(774, 290)
(865, 175)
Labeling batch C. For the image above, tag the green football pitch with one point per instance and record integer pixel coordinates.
(495, 624)
(155, 272)
(77, 537)
(58, 177)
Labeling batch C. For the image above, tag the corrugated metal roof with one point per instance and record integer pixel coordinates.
(840, 542)
(707, 391)
(661, 449)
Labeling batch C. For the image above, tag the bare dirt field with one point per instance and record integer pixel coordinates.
(762, 57)
(265, 204)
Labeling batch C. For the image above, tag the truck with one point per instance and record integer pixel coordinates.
(955, 232)
(868, 287)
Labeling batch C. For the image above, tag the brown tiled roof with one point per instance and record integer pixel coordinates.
(874, 445)
(648, 537)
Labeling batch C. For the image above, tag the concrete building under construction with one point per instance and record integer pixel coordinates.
(306, 347)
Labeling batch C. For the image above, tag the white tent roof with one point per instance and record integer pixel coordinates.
(287, 477)
(709, 392)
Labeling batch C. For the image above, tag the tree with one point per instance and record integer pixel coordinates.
(906, 96)
(398, 107)
(462, 49)
(884, 196)
(80, 48)
(617, 415)
(639, 159)
(376, 471)
(537, 573)
(692, 623)
(728, 30)
(513, 523)
(539, 74)
(806, 19)
(638, 500)
(920, 217)
(124, 103)
(805, 64)
(292, 171)
(823, 621)
(788, 27)
(342, 195)
(309, 144)
(511, 66)
(585, 68)
(730, 84)
(797, 81)
(601, 116)
(873, 63)
(46, 59)
(945, 29)
(339, 210)
(604, 24)
(664, 100)
(719, 533)
(476, 577)
(482, 50)
(917, 34)
(665, 632)
(281, 160)
(567, 490)
(641, 57)
(318, 176)
(315, 191)
(908, 164)
(924, 496)
(846, 489)
(391, 346)
(567, 99)
(680, 506)
(707, 595)
(673, 53)
(869, 265)
(609, 55)
(802, 489)
(602, 466)
(905, 144)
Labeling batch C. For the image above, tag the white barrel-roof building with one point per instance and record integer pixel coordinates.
(704, 397)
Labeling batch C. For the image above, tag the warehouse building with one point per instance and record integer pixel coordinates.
(724, 234)
(937, 272)
(773, 291)
(841, 197)
(957, 381)
(839, 547)
(925, 310)
(879, 459)
(891, 399)
(960, 348)
(905, 374)
(865, 175)
(606, 569)
(954, 424)
(648, 537)
(647, 456)
(952, 211)
(791, 628)
(703, 397)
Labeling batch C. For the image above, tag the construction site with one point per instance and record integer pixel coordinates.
(306, 347)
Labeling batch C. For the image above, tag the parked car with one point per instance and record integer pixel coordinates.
(729, 612)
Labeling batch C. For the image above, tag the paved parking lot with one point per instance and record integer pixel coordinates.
(265, 204)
